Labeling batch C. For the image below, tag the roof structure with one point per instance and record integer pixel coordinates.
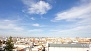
(69, 45)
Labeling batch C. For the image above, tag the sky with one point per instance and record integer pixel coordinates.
(45, 18)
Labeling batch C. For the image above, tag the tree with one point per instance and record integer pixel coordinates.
(0, 42)
(9, 44)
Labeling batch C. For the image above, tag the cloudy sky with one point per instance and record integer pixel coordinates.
(45, 18)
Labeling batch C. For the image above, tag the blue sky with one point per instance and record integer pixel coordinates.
(45, 18)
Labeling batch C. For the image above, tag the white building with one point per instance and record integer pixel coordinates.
(68, 47)
(90, 47)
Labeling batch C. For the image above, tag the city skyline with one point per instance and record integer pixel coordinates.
(45, 18)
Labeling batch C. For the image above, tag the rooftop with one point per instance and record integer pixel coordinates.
(70, 45)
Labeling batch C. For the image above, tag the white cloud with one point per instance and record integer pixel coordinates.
(80, 16)
(32, 18)
(78, 12)
(36, 25)
(53, 30)
(76, 30)
(9, 25)
(40, 7)
(11, 28)
(6, 21)
(35, 30)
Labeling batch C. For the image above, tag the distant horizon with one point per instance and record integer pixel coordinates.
(43, 37)
(45, 18)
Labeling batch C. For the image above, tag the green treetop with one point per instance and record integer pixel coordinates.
(9, 44)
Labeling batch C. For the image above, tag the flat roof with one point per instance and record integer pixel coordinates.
(69, 45)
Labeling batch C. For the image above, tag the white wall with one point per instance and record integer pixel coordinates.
(67, 49)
